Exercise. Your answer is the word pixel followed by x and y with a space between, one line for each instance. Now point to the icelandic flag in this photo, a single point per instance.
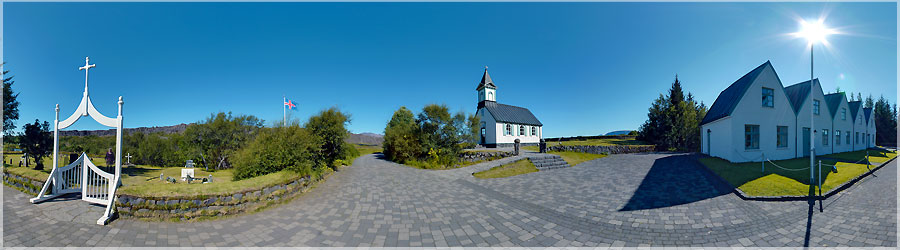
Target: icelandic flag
pixel 289 104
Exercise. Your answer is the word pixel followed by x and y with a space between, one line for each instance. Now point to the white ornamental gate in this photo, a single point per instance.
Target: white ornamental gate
pixel 82 176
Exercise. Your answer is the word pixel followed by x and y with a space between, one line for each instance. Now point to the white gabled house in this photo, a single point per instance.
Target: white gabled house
pixel 859 125
pixel 751 117
pixel 502 124
pixel 841 122
pixel 756 118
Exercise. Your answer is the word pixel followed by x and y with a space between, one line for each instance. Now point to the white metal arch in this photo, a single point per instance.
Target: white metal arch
pixel 95 185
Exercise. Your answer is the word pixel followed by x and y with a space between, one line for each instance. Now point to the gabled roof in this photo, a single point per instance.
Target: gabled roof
pixel 854 108
pixel 511 114
pixel 867 112
pixel 797 93
pixel 730 97
pixel 834 102
pixel 486 81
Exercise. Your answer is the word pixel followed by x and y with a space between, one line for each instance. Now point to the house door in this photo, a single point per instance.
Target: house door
pixel 708 145
pixel 805 142
pixel 482 135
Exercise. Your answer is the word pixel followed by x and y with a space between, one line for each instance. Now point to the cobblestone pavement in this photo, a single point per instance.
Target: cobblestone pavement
pixel 621 200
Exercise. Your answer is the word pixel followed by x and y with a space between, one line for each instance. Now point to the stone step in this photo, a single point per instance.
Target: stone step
pixel 547 162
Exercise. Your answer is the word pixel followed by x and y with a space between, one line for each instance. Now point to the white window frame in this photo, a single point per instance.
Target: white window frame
pixel 533 131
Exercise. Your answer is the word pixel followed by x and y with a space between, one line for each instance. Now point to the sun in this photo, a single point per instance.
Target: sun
pixel 814 31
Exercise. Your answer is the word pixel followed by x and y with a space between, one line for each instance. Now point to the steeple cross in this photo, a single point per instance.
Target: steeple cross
pixel 86 67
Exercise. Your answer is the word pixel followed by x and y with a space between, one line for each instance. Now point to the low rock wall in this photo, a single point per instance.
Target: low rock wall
pixel 483 156
pixel 187 208
pixel 617 149
pixel 24 184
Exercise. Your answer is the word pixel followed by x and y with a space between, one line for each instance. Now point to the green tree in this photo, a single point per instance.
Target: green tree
pixel 219 136
pixel 885 123
pixel 870 102
pixel 276 149
pixel 673 121
pixel 439 134
pixel 401 142
pixel 10 104
pixel 37 142
pixel 473 126
pixel 330 127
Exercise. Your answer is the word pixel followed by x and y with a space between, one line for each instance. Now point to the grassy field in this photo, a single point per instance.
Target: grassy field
pixel 775 181
pixel 591 142
pixel 875 155
pixel 575 158
pixel 145 182
pixel 523 166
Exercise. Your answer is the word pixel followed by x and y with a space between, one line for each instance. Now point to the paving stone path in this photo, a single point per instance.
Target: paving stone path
pixel 620 200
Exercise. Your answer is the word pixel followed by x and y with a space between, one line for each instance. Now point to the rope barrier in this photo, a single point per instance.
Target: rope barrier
pixel 787 169
pixel 745 158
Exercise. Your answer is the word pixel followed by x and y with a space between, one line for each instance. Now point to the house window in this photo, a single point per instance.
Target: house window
pixel 837 137
pixel 533 131
pixel 751 136
pixel 521 130
pixel 782 136
pixel 768 97
pixel 816 107
pixel 825 137
pixel 843 114
pixel 848 137
pixel 508 130
pixel 856 138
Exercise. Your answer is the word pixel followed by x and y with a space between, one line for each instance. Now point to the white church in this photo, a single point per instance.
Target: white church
pixel 502 124
pixel 756 118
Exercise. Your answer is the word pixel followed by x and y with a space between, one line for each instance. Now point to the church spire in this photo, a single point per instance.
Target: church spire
pixel 486 81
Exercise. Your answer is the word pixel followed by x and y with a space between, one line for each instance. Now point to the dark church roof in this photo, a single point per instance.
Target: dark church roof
pixel 854 108
pixel 511 114
pixel 486 81
pixel 729 98
pixel 834 102
pixel 797 93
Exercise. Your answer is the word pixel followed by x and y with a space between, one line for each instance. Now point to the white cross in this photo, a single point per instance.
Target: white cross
pixel 128 159
pixel 86 67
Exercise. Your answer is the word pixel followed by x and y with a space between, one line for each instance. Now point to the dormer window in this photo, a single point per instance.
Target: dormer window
pixel 768 97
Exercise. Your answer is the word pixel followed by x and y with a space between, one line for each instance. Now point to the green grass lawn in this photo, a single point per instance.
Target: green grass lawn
pixel 575 158
pixel 145 182
pixel 750 178
pixel 142 180
pixel 875 155
pixel 523 166
pixel 591 142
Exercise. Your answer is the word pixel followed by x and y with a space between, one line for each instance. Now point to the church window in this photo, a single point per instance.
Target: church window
pixel 521 130
pixel 533 131
pixel 508 130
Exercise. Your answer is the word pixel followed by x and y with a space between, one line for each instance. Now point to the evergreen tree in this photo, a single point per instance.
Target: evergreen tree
pixel 673 121
pixel 869 102
pixel 10 104
pixel 885 123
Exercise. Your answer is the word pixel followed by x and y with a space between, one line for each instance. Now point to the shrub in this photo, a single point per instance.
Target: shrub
pixel 433 139
pixel 219 136
pixel 329 127
pixel 401 143
pixel 276 149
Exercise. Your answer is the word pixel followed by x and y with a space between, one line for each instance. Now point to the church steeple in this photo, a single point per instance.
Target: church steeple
pixel 487 91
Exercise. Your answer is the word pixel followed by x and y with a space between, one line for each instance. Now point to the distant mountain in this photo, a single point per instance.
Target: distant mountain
pixel 619 132
pixel 112 132
pixel 366 138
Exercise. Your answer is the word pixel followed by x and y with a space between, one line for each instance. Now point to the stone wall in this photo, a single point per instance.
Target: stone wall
pixel 616 149
pixel 474 156
pixel 24 184
pixel 188 208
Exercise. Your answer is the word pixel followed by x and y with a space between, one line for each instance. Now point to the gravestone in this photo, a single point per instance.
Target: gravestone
pixel 517 146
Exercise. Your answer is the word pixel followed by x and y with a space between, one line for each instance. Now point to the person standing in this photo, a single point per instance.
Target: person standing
pixel 110 158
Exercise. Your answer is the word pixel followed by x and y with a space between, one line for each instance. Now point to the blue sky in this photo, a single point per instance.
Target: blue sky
pixel 581 68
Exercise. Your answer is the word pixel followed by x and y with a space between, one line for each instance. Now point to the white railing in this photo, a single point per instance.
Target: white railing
pixel 97 185
pixel 68 178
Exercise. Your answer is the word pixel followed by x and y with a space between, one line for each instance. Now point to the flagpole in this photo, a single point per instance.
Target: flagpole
pixel 283 110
